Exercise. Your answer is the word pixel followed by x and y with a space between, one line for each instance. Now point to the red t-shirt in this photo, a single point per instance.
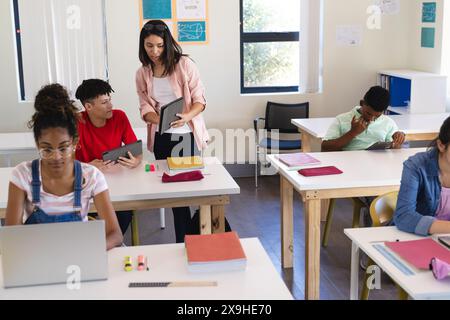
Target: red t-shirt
pixel 94 141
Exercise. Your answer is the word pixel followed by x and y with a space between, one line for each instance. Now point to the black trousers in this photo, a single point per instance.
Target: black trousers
pixel 177 145
pixel 180 145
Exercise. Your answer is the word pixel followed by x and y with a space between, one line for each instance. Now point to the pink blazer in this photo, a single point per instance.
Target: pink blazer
pixel 185 82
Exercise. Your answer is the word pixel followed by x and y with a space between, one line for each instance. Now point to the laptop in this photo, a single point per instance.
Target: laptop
pixel 43 254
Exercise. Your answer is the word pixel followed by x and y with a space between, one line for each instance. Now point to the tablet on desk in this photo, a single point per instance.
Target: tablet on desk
pixel 381 145
pixel 168 114
pixel 114 155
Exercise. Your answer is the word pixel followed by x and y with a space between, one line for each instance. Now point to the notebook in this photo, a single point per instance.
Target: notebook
pixel 320 171
pixel 216 252
pixel 185 163
pixel 419 252
pixel 297 160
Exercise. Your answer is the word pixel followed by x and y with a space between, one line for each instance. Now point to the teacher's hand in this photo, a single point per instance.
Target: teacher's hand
pixel 184 118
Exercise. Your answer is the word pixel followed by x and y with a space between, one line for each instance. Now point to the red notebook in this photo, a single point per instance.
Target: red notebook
pixel 420 252
pixel 215 252
pixel 320 171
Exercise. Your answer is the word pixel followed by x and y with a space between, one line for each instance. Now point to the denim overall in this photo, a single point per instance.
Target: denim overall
pixel 39 215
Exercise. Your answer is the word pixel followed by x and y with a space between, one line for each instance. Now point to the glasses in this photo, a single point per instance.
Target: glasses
pixel 159 27
pixel 47 153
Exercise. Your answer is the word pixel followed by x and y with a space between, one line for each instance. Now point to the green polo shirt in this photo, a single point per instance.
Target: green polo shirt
pixel 381 129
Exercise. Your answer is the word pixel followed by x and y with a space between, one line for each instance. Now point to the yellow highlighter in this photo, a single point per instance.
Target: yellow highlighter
pixel 128 266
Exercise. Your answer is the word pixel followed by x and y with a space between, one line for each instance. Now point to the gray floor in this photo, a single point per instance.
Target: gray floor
pixel 255 213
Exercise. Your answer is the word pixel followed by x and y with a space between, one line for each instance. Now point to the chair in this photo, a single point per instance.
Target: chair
pixel 278 120
pixel 357 206
pixel 382 210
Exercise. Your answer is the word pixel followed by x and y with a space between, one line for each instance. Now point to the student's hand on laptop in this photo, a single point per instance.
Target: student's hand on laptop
pixel 101 165
pixel 131 162
pixel 398 139
pixel 358 125
pixel 184 118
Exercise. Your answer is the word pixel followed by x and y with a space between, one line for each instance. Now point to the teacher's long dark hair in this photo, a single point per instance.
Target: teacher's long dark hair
pixel 172 50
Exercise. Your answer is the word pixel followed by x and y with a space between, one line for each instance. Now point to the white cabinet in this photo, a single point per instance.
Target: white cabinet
pixel 418 92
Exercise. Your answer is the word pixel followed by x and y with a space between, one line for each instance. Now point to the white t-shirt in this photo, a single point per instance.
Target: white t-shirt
pixel 163 94
pixel 93 183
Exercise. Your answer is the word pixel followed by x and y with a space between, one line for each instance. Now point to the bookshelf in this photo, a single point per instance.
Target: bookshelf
pixel 414 91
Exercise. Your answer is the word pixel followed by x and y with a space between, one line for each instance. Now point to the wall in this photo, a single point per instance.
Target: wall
pixel 425 59
pixel 347 71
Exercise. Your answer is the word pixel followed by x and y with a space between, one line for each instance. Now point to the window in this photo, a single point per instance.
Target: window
pixel 445 55
pixel 60 41
pixel 270 45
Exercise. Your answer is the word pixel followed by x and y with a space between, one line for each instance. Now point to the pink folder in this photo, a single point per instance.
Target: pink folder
pixel 419 252
pixel 321 171
pixel 297 159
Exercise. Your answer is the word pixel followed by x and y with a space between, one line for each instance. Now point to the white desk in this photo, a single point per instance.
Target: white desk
pixel 420 285
pixel 135 189
pixel 23 142
pixel 415 126
pixel 360 178
pixel 260 281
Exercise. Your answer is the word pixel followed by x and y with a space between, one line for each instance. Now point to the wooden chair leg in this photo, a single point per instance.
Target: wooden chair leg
pixel 402 294
pixel 134 229
pixel 326 230
pixel 365 290
pixel 357 206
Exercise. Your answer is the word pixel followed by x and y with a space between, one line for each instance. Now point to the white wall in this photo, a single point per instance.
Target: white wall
pixel 347 71
pixel 425 59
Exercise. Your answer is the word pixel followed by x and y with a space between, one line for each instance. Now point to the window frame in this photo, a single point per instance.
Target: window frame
pixel 17 30
pixel 263 37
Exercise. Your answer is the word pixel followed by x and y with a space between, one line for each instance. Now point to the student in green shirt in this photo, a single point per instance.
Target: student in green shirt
pixel 364 125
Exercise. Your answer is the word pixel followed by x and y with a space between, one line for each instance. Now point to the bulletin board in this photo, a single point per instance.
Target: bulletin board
pixel 187 19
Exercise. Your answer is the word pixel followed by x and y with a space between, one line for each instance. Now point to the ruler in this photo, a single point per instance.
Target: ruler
pixel 393 259
pixel 172 284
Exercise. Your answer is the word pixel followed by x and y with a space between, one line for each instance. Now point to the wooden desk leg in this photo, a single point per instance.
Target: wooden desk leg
pixel 287 222
pixel 205 219
pixel 312 249
pixel 354 274
pixel 218 218
pixel 306 141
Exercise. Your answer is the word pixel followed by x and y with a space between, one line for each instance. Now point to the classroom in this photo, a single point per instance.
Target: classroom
pixel 297 143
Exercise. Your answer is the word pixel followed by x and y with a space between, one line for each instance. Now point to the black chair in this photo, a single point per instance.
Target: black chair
pixel 278 121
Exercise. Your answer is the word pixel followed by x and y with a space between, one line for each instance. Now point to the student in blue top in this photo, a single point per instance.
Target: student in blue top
pixel 364 125
pixel 56 187
pixel 423 205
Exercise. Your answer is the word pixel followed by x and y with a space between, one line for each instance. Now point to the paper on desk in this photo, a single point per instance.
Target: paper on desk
pixel 420 252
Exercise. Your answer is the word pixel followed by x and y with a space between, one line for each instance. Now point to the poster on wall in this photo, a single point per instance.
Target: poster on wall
pixel 388 7
pixel 428 35
pixel 349 36
pixel 429 12
pixel 187 19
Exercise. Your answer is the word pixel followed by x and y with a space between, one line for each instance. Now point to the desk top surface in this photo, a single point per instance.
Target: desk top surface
pixel 360 169
pixel 421 284
pixel 137 184
pixel 167 262
pixel 408 123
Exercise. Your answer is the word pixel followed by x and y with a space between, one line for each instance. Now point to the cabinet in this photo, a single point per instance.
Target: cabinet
pixel 414 91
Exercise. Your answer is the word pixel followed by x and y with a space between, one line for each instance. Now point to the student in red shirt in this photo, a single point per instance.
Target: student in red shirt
pixel 102 129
